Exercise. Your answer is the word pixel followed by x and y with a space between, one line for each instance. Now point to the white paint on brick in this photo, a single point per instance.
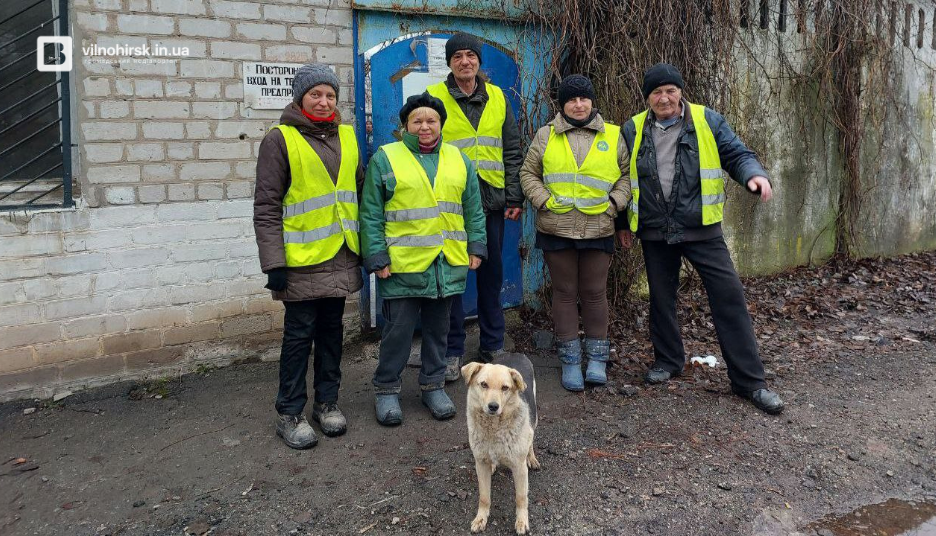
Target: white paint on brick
pixel 138 258
pixel 160 109
pixel 234 91
pixel 176 212
pixel 236 209
pixel 145 152
pixel 114 109
pixel 97 87
pixel 21 314
pixel 198 252
pixel 235 10
pixel 180 7
pixel 206 69
pixel 113 174
pixel 198 130
pixel 210 191
pixel 181 192
pixel 333 17
pixel 208 90
pixel 90 109
pixel 100 131
pixel 224 150
pixel 95 22
pixel 292 14
pixel 131 67
pixel 124 87
pixel 113 5
pixel 314 34
pixel 151 194
pixel 188 48
pixel 214 110
pixel 261 32
pixel 245 170
pixel 333 55
pixel 121 217
pixel 181 151
pixel 177 88
pixel 159 172
pixel 96 240
pixel 75 307
pixel 145 24
pixel 235 129
pixel 120 195
pixel 162 130
pixel 234 50
pixel 136 299
pixel 289 53
pixel 204 28
pixel 102 153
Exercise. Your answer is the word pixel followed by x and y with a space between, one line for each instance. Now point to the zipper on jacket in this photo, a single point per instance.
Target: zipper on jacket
pixel 438 262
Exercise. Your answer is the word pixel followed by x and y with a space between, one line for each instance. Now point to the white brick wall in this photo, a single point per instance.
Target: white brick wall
pixel 152 107
pixel 158 266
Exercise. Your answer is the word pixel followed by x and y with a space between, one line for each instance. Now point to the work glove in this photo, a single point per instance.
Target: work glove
pixel 276 279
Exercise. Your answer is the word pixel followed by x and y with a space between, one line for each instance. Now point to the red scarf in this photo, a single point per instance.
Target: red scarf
pixel 311 117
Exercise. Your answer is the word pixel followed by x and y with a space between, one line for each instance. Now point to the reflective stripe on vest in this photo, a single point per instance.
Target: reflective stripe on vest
pixel 483 146
pixel 711 175
pixel 319 216
pixel 584 187
pixel 422 219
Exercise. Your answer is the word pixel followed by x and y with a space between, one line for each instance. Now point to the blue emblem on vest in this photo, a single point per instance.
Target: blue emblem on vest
pixel 602 146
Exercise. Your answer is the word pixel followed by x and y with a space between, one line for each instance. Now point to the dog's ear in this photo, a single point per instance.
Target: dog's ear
pixel 468 371
pixel 518 381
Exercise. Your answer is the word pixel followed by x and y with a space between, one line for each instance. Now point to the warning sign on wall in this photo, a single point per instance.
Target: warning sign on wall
pixel 268 86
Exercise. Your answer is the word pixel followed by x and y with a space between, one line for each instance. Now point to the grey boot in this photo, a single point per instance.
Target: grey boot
pixel 330 418
pixel 296 431
pixel 440 405
pixel 452 368
pixel 598 351
pixel 570 355
pixel 388 410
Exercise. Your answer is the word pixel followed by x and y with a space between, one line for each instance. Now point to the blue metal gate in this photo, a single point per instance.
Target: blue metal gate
pixel 391 71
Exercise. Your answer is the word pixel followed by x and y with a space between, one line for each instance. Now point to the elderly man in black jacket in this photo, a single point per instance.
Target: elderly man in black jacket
pixel 481 123
pixel 679 151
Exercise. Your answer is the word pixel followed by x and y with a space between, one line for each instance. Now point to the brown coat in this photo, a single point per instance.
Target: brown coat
pixel 573 224
pixel 337 277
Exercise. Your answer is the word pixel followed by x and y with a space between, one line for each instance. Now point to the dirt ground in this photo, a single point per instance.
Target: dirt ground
pixel 852 351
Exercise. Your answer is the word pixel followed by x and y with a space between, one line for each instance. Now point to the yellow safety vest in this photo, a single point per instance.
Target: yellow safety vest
pixel 424 219
pixel 319 215
pixel 484 146
pixel 584 187
pixel 711 175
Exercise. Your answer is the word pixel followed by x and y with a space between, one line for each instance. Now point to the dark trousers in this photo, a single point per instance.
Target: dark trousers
pixel 490 278
pixel 400 318
pixel 733 325
pixel 309 321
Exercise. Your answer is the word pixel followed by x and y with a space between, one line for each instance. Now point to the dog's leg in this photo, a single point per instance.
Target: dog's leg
pixel 484 470
pixel 531 460
pixel 521 487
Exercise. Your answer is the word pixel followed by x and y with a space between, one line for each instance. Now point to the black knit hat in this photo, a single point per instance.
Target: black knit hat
pixel 462 41
pixel 660 75
pixel 419 101
pixel 575 85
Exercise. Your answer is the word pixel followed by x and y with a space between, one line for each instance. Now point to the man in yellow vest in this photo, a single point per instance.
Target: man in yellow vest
pixel 679 153
pixel 309 174
pixel 481 123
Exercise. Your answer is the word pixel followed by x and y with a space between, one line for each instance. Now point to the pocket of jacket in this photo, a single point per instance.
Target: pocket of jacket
pixel 459 275
pixel 418 281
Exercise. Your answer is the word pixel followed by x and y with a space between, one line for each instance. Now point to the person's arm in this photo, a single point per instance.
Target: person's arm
pixel 531 174
pixel 474 213
pixel 273 178
pixel 513 159
pixel 371 214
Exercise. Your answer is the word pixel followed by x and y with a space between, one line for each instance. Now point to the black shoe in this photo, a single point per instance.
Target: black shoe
pixel 763 399
pixel 486 356
pixel 657 375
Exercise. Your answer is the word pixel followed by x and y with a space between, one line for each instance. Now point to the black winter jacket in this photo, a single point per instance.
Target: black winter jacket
pixel 679 218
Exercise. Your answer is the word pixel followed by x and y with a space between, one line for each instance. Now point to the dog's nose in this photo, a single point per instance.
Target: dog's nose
pixel 493 406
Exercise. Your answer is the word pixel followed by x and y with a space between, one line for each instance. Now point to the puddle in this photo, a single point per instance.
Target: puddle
pixel 891 518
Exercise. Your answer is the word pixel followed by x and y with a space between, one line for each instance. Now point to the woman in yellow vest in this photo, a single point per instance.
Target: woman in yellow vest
pixel 422 229
pixel 306 222
pixel 575 175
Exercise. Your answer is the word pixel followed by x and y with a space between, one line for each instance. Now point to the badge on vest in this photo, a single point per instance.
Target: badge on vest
pixel 602 146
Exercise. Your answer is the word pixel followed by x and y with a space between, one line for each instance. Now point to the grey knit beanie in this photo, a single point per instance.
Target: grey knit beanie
pixel 310 75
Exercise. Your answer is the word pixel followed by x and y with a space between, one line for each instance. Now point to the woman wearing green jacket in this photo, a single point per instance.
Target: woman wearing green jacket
pixel 422 229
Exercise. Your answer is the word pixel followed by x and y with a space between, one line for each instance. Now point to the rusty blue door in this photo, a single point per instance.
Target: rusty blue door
pixel 393 70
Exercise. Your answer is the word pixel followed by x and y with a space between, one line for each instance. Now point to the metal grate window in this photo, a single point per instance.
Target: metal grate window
pixel 35 119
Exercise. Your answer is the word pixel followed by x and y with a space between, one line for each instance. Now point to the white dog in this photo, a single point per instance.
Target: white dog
pixel 501 421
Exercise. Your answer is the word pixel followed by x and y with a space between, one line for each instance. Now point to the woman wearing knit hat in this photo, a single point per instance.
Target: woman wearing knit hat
pixel 422 229
pixel 575 175
pixel 309 174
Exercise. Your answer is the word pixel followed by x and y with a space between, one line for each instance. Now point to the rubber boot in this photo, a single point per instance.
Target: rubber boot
pixel 570 355
pixel 598 351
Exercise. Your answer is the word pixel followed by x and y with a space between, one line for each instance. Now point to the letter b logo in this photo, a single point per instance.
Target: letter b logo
pixel 55 58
